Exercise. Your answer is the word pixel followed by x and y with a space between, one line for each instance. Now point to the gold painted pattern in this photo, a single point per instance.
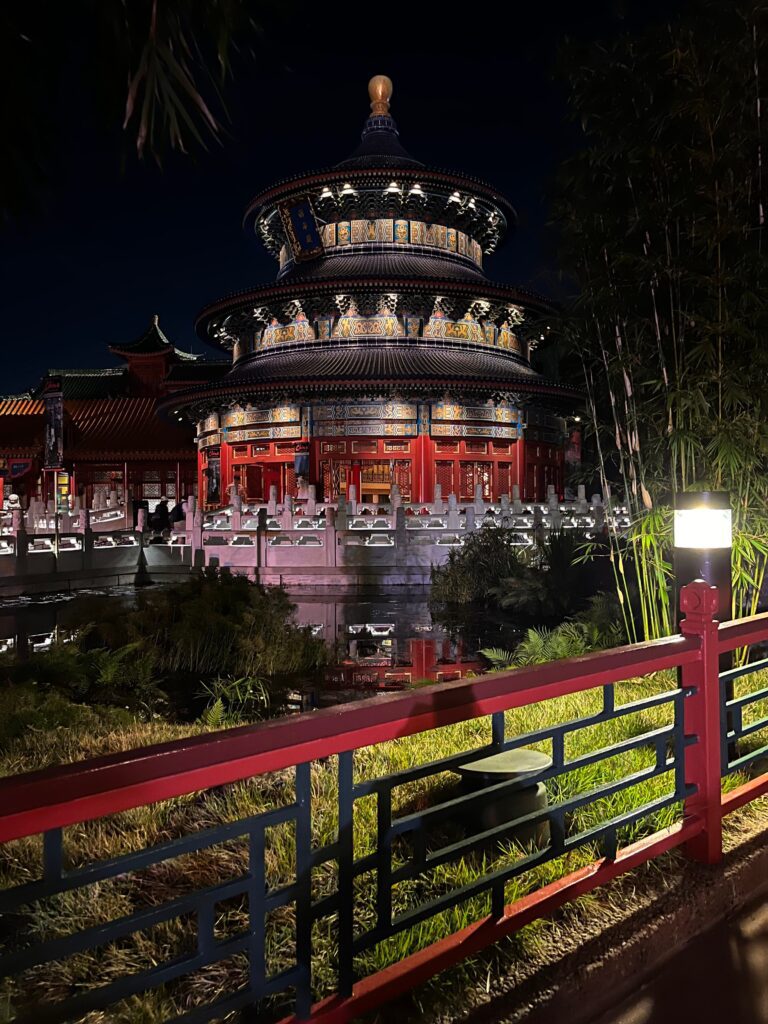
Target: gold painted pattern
pixel 495 414
pixel 401 233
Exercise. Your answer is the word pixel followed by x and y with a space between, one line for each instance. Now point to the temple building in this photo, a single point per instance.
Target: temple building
pixel 382 353
pixel 98 429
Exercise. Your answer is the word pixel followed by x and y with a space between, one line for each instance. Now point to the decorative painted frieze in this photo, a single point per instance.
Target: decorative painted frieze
pixel 365 428
pixel 263 433
pixel 239 417
pixel 366 410
pixel 489 413
pixel 441 329
pixel 398 232
pixel 508 433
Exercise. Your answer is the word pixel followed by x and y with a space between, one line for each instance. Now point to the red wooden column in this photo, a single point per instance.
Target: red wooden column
pixel 356 479
pixel 225 471
pixel 423 657
pixel 702 711
pixel 423 470
pixel 520 465
pixel 201 489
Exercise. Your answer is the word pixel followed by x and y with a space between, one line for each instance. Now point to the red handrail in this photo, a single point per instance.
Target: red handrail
pixel 69 794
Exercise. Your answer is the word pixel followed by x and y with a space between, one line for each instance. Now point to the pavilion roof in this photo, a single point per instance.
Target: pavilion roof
pixel 124 428
pixel 152 342
pixel 398 264
pixel 370 368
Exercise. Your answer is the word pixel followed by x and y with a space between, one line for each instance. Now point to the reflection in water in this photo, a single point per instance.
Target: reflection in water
pixel 383 643
pixel 393 641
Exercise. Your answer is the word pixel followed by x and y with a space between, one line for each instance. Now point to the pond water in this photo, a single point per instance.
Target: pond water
pixel 381 643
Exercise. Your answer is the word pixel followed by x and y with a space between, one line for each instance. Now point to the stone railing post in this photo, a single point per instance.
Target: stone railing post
pixel 506 518
pixel 21 539
pixel 539 531
pixel 517 505
pixel 469 519
pixel 237 512
pixel 311 505
pixel 330 538
pixel 261 539
pixel 286 516
pixel 189 520
pixel 401 533
pixel 454 520
pixel 198 551
pixel 272 502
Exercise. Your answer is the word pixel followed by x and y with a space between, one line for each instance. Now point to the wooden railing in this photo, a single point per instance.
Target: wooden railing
pixel 323 767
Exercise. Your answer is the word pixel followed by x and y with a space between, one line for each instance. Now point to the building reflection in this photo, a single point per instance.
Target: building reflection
pixel 384 644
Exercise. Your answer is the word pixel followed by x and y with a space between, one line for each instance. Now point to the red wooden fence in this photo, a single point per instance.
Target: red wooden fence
pixel 66 795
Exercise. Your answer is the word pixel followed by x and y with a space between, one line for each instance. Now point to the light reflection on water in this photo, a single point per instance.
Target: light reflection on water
pixel 381 643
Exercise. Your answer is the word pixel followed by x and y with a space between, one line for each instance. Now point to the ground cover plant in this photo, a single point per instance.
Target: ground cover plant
pixel 146 826
pixel 216 644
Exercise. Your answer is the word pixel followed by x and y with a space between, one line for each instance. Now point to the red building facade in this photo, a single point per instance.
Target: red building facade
pixel 382 353
pixel 112 439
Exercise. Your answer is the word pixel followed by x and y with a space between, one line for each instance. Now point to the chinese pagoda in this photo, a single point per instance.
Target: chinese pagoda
pixel 382 354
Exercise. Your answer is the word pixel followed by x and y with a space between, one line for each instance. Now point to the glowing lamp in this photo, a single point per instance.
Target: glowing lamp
pixel 702 542
pixel 702 520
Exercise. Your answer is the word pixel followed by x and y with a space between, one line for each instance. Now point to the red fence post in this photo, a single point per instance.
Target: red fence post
pixel 698 602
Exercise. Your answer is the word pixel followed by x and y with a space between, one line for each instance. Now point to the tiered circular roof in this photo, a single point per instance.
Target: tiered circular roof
pixel 429 229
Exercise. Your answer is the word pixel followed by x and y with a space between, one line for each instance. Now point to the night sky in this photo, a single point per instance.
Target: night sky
pixel 113 241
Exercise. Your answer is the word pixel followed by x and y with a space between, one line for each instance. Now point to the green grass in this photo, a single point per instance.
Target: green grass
pixel 145 826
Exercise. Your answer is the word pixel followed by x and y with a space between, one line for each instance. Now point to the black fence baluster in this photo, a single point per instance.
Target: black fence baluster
pixel 384 863
pixel 304 890
pixel 52 856
pixel 346 875
pixel 257 912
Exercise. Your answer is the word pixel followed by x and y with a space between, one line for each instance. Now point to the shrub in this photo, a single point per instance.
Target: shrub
pixel 544 582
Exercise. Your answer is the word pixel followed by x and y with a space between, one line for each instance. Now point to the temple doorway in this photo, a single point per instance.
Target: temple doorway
pixel 376 477
pixel 473 473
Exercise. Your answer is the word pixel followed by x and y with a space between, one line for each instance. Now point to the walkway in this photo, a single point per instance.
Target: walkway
pixel 720 977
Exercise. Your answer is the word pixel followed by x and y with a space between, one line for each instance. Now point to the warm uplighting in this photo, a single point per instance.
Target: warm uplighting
pixel 702 520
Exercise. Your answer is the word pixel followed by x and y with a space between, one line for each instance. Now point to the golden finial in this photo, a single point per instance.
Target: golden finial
pixel 380 91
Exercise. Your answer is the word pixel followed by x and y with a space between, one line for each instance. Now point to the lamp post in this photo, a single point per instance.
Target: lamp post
pixel 702 542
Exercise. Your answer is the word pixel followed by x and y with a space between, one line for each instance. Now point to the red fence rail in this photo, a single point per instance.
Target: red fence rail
pixel 50 800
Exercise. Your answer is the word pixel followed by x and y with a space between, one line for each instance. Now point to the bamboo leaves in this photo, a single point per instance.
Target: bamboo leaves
pixel 661 214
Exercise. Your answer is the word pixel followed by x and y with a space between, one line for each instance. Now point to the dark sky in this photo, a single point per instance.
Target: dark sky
pixel 109 245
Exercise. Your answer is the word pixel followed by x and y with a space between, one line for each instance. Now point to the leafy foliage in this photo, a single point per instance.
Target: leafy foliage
pixel 175 57
pixel 235 639
pixel 232 701
pixel 544 582
pixel 662 217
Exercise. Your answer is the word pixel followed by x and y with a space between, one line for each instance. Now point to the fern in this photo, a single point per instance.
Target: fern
pixel 214 715
pixel 540 645
pixel 498 657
